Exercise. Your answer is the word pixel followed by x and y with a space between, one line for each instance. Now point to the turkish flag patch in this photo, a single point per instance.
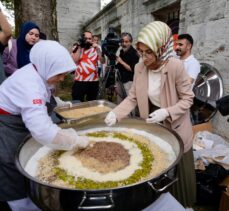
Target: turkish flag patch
pixel 37 101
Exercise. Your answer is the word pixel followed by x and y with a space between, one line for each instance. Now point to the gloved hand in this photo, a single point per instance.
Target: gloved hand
pixel 158 116
pixel 110 119
pixel 60 102
pixel 68 139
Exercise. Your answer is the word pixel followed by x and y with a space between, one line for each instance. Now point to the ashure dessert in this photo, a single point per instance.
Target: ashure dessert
pixel 77 113
pixel 115 157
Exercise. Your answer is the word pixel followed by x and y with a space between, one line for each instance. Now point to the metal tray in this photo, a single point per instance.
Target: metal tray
pixel 88 104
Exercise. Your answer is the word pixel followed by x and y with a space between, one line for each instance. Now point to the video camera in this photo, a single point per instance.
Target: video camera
pixel 110 45
pixel 82 42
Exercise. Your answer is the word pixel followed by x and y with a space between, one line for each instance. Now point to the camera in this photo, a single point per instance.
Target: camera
pixel 110 45
pixel 82 42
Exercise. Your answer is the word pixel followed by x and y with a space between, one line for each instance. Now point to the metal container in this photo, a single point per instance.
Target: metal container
pixel 87 104
pixel 208 88
pixel 132 197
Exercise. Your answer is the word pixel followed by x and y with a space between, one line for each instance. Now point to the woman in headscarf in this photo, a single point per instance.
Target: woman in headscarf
pixel 17 55
pixel 163 93
pixel 23 98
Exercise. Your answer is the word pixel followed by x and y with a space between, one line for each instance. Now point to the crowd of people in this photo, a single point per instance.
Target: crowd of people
pixel 151 78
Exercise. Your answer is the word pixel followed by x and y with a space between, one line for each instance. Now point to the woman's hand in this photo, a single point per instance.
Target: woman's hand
pixel 110 119
pixel 61 103
pixel 158 116
pixel 68 139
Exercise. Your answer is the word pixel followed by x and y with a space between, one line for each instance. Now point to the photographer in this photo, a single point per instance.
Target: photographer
pixel 126 61
pixel 86 56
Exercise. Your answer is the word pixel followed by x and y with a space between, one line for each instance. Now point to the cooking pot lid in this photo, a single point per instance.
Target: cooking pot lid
pixel 208 89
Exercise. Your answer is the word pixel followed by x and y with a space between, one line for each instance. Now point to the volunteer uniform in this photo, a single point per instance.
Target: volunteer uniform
pixel 192 66
pixel 23 110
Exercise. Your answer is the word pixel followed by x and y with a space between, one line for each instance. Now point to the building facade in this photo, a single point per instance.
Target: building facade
pixel 205 20
pixel 72 16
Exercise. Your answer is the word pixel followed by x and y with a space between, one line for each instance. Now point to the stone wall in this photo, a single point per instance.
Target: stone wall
pixel 207 21
pixel 72 16
pixel 130 15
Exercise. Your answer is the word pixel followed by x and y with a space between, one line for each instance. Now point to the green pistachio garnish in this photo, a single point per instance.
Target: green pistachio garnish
pixel 141 173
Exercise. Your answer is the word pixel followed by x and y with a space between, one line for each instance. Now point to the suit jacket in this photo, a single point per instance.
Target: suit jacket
pixel 176 96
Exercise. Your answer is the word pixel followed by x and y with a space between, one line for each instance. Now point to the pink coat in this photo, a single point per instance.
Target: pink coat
pixel 176 96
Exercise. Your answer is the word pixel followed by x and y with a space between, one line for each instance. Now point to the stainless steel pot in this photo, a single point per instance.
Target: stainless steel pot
pixel 132 197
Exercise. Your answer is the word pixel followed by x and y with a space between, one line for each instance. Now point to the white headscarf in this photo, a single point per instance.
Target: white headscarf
pixel 50 59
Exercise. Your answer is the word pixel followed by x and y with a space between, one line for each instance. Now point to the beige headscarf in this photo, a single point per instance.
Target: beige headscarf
pixel 158 37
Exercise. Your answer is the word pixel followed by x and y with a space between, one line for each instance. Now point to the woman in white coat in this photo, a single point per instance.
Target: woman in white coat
pixel 23 110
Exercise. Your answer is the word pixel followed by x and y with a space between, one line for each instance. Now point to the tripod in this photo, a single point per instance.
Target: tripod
pixel 108 83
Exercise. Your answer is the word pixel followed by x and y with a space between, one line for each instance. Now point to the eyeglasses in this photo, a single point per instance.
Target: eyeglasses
pixel 148 53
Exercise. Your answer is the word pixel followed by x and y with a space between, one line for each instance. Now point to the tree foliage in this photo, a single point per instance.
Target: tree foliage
pixel 9 4
pixel 42 12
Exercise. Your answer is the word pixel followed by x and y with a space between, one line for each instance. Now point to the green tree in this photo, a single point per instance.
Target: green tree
pixel 42 12
pixel 8 3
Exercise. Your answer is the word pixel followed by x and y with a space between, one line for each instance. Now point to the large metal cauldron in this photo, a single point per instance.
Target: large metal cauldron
pixel 126 198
